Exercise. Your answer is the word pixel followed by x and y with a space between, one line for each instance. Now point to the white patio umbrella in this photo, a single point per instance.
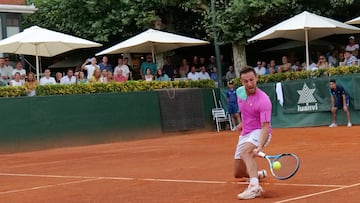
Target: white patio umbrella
pixel 152 41
pixel 354 21
pixel 38 41
pixel 306 27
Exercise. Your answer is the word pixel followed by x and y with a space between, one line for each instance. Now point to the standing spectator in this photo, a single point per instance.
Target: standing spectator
pixel 169 68
pixel 233 108
pixel 19 69
pixel 130 68
pixel 5 71
pixel 184 68
pixel 69 78
pixel 90 68
pixel 119 77
pixel 203 74
pixel 230 74
pixel 31 84
pixel 17 81
pixel 193 75
pixel 47 80
pixel 202 63
pixel 196 62
pixel 123 67
pixel 212 63
pixel 96 77
pixel 352 44
pixel 259 69
pixel 105 64
pixel 147 64
pixel 286 66
pixel 350 60
pixel 339 100
pixel 161 76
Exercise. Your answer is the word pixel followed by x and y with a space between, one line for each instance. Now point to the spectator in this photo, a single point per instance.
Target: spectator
pixel 212 63
pixel 148 64
pixel 272 68
pixel 341 59
pixel 130 68
pixel 96 77
pixel 339 100
pixel 352 44
pixel 58 77
pixel 161 76
pixel 201 63
pixel 259 69
pixel 350 60
pixel 230 74
pixel 104 75
pixel 355 53
pixel 109 77
pixel 90 68
pixel 195 62
pixel 203 75
pixel 169 68
pixel 286 66
pixel 296 67
pixel 5 71
pixel 148 76
pixel 119 77
pixel 233 108
pixel 19 69
pixel 105 64
pixel 332 60
pixel 17 81
pixel 184 68
pixel 47 80
pixel 322 63
pixel 69 78
pixel 81 79
pixel 123 67
pixel 31 84
pixel 193 75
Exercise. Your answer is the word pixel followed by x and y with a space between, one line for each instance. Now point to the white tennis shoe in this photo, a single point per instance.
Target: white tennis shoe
pixel 262 174
pixel 349 125
pixel 333 125
pixel 251 192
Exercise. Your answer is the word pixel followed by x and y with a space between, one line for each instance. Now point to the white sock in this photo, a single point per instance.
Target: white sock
pixel 254 181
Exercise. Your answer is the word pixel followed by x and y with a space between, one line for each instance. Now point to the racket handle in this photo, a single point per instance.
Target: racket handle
pixel 261 154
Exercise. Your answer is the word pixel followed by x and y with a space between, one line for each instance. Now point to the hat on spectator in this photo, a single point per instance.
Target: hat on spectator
pixel 231 82
pixel 351 37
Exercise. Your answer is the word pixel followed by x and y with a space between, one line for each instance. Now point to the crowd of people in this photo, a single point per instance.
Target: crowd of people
pixel 343 56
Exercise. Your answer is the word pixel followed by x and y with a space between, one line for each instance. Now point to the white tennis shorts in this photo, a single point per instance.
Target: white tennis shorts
pixel 252 137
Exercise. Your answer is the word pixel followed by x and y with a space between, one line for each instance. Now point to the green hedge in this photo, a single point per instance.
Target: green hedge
pixel 12 91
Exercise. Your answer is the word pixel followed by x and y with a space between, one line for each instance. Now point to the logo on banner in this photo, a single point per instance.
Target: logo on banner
pixel 307 101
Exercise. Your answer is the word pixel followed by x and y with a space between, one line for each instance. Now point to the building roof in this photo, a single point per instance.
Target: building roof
pixel 7 8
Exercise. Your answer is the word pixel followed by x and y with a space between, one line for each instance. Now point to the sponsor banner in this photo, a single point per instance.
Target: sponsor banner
pixel 306 96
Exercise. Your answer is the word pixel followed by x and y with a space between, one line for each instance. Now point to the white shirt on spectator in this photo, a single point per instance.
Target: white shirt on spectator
pixel 90 70
pixel 125 70
pixel 193 76
pixel 204 76
pixel 351 48
pixel 22 71
pixel 47 81
pixel 260 71
pixel 14 83
pixel 67 80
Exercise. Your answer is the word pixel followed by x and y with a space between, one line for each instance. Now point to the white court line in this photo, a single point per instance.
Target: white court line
pixel 163 180
pixel 318 193
pixel 48 186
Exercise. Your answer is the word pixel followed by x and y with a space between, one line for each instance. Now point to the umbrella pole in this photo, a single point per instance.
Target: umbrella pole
pixel 153 52
pixel 307 48
pixel 37 68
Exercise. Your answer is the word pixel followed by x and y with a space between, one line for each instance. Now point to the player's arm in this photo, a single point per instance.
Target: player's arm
pixel 264 134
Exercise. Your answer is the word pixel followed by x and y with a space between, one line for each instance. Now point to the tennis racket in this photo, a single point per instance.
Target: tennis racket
pixel 289 164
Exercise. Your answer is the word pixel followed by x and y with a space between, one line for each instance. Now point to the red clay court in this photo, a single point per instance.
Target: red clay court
pixel 188 167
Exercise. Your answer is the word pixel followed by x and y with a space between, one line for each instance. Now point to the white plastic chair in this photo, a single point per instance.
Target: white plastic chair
pixel 220 116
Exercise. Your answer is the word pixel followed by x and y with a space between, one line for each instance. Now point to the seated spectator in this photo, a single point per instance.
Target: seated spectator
pixel 31 84
pixel 350 60
pixel 104 75
pixel 286 66
pixel 214 74
pixel 19 69
pixel 203 74
pixel 81 79
pixel 184 68
pixel 193 75
pixel 130 68
pixel 125 69
pixel 230 74
pixel 332 60
pixel 272 68
pixel 148 76
pixel 355 53
pixel 169 68
pixel 109 77
pixel 17 81
pixel 145 65
pixel 322 63
pixel 352 44
pixel 47 80
pixel 297 66
pixel 105 64
pixel 90 67
pixel 161 76
pixel 341 59
pixel 96 77
pixel 69 78
pixel 259 69
pixel 58 77
pixel 119 77
pixel 311 66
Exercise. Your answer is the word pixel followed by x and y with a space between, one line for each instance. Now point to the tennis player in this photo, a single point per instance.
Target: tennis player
pixel 339 100
pixel 255 107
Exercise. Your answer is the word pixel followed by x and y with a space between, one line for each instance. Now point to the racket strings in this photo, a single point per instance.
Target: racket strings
pixel 289 166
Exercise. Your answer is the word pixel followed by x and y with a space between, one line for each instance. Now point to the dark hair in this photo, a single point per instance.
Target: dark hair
pixel 332 80
pixel 247 69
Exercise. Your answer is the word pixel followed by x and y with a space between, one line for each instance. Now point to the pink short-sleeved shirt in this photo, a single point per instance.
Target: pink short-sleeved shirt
pixel 255 110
